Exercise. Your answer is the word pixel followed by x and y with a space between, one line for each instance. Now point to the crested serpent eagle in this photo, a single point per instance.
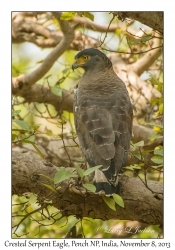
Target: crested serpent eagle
pixel 103 118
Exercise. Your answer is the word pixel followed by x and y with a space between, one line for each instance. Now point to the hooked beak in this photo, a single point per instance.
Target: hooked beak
pixel 74 65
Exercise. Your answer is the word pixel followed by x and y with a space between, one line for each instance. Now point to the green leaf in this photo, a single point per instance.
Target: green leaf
pixel 90 187
pixel 47 177
pixel 89 15
pixel 133 42
pixel 90 170
pixel 110 202
pixel 81 159
pixel 48 201
pixel 29 195
pixel 157 100
pixel 62 175
pixel 137 155
pixel 155 125
pixel 19 130
pixel 160 87
pixel 158 166
pixel 129 168
pixel 138 144
pixel 158 152
pixel 35 126
pixel 158 129
pixel 145 38
pixel 32 199
pixel 118 199
pixel 38 151
pixel 49 187
pixel 67 15
pixel 28 141
pixel 14 136
pixel 79 170
pixel 56 90
pixel 154 136
pixel 145 152
pixel 48 132
pixel 36 148
pixel 157 159
pixel 161 108
pixel 153 80
pixel 15 112
pixel 136 166
pixel 22 124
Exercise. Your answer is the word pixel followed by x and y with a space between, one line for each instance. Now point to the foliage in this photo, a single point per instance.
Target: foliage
pixel 70 15
pixel 25 135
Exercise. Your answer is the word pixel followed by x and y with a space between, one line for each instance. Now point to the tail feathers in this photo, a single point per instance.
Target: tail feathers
pixel 103 184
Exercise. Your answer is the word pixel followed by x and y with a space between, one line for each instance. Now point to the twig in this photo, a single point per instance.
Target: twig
pixel 94 26
pixel 62 138
pixel 27 215
pixel 51 116
pixel 106 34
pixel 147 185
pixel 24 138
pixel 147 35
pixel 160 37
pixel 133 53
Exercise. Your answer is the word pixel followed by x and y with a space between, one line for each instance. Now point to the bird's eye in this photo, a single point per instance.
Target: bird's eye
pixel 85 58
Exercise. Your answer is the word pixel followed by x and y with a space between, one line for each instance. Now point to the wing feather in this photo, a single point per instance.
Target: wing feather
pixel 103 128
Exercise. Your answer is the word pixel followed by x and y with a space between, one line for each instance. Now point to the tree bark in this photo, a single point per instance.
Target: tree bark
pixel 140 203
pixel 153 19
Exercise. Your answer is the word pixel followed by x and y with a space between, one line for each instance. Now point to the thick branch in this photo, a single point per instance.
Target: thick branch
pixel 45 38
pixel 86 23
pixel 148 59
pixel 152 19
pixel 140 91
pixel 25 81
pixel 140 203
pixel 43 94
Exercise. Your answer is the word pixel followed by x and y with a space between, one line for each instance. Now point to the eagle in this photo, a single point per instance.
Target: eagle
pixel 103 116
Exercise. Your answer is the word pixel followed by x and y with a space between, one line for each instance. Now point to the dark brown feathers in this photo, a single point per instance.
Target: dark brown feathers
pixel 103 119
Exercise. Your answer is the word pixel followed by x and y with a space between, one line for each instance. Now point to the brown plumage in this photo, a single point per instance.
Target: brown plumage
pixel 103 118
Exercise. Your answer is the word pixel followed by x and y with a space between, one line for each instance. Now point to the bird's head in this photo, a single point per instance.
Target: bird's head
pixel 90 59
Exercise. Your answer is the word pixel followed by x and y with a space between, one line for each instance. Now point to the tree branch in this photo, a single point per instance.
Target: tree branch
pixel 140 203
pixel 43 94
pixel 149 18
pixel 25 81
pixel 140 91
pixel 36 33
pixel 86 23
pixel 148 59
